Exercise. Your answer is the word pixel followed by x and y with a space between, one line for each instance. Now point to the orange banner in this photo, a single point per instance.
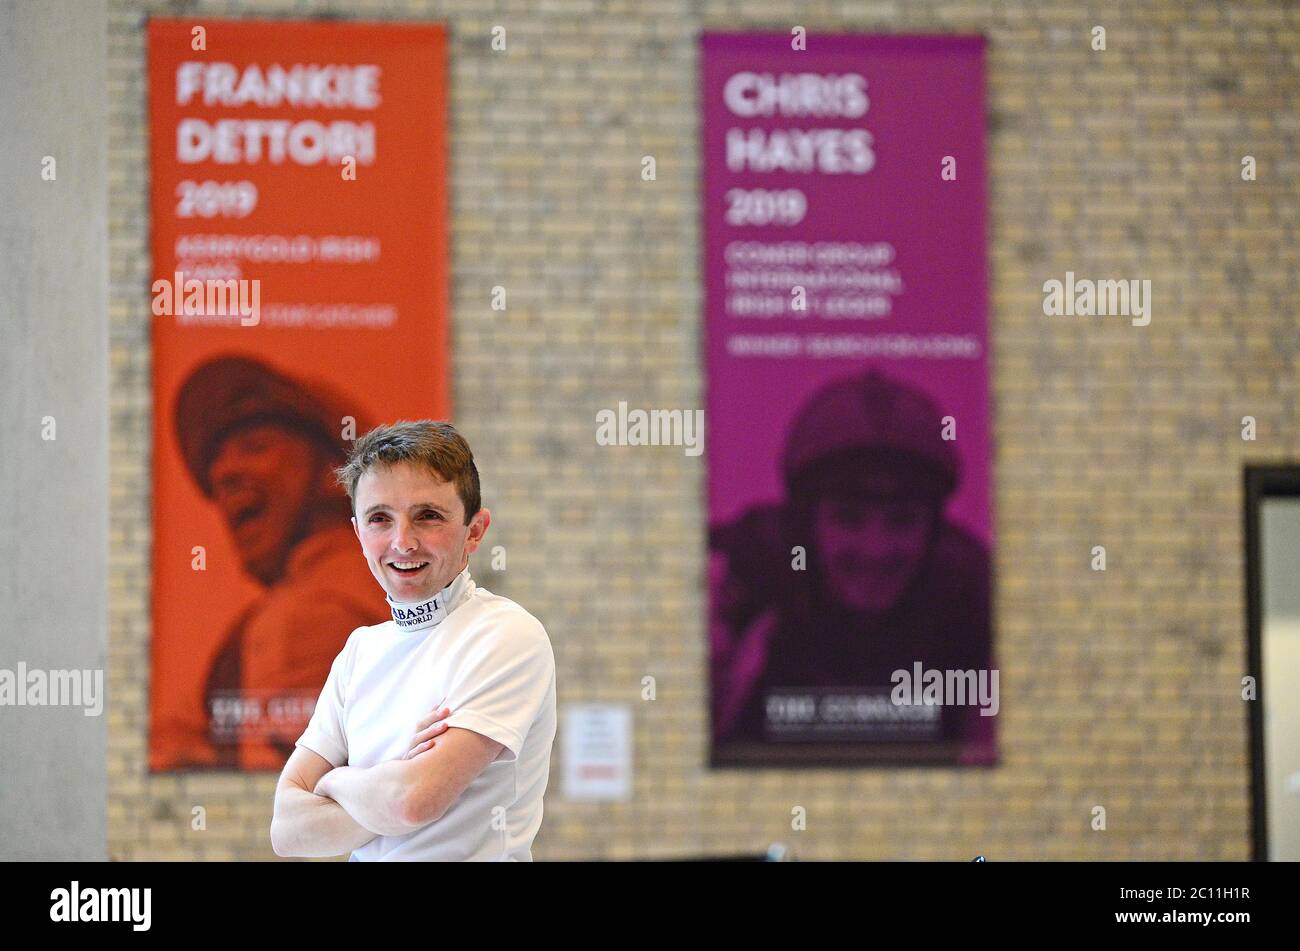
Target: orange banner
pixel 299 296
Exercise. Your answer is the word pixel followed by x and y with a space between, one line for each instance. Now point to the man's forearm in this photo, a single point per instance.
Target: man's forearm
pixel 374 796
pixel 308 825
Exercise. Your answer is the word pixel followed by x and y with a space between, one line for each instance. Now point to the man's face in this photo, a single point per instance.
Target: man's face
pixel 411 525
pixel 870 550
pixel 263 478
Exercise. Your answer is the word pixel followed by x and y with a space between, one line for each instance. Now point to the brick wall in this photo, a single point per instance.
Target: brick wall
pixel 1120 689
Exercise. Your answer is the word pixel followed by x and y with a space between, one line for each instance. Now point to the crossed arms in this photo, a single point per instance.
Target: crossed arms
pixel 325 810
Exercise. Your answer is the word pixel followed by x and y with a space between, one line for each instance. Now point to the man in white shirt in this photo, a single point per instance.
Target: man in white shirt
pixel 382 770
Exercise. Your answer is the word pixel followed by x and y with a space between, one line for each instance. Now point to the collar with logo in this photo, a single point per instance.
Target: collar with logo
pixel 421 615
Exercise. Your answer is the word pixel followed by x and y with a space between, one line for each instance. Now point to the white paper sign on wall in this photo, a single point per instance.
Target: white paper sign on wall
pixel 596 747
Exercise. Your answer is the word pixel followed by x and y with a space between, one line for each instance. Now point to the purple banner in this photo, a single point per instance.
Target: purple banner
pixel 848 397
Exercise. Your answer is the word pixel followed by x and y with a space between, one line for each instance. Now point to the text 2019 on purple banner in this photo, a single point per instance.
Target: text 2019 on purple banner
pixel 850 511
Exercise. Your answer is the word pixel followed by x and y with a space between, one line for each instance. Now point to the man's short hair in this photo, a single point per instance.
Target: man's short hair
pixel 435 445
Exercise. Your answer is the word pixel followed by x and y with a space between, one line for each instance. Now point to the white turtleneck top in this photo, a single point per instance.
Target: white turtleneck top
pixel 491 662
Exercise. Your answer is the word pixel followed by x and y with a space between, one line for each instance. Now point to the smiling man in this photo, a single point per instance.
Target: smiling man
pixel 890 579
pixel 381 770
pixel 263 446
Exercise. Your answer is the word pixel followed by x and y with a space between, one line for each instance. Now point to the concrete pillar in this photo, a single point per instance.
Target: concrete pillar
pixel 53 381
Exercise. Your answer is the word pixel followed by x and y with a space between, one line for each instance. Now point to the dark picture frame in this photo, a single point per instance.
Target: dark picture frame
pixel 1260 482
